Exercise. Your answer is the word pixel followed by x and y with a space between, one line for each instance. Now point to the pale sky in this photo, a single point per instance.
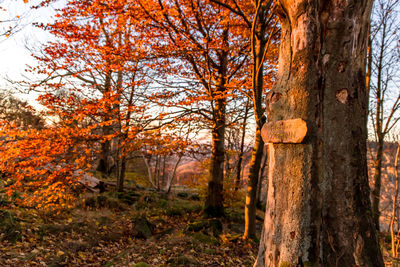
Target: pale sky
pixel 14 55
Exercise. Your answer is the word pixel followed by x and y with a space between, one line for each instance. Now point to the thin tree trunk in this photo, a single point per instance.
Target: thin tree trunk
pixel 258 48
pixel 376 192
pixel 121 175
pixel 369 65
pixel 149 171
pixel 318 206
pixel 261 178
pixel 394 204
pixel 251 194
pixel 241 152
pixel 171 181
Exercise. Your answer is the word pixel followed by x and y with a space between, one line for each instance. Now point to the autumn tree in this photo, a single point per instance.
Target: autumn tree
pixel 318 207
pixel 385 100
pixel 204 50
pixel 42 165
pixel 97 58
pixel 260 23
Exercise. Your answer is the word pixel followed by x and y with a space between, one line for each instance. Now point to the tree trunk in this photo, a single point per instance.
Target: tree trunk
pixel 379 95
pixel 214 202
pixel 258 49
pixel 251 194
pixel 318 207
pixel 394 205
pixel 241 152
pixel 105 166
pixel 121 175
pixel 261 178
pixel 376 192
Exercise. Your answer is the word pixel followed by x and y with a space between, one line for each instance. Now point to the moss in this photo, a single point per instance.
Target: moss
pixel 174 211
pixel 137 179
pixel 182 261
pixel 197 226
pixel 128 197
pixel 210 251
pixel 162 203
pixel 205 239
pixel 143 227
pixel 183 207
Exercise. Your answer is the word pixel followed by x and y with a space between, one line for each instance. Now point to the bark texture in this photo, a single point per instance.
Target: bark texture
pixel 318 207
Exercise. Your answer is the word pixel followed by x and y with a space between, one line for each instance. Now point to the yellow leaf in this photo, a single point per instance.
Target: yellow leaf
pixel 60 253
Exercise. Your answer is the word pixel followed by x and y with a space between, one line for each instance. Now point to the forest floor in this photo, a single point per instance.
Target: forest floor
pixel 130 229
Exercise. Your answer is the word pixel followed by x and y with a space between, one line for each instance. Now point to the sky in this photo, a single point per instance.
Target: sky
pixel 14 53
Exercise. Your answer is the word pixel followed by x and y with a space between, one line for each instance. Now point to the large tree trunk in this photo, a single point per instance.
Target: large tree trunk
pixel 318 207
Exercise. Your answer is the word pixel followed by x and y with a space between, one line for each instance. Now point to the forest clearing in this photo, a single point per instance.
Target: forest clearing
pixel 129 229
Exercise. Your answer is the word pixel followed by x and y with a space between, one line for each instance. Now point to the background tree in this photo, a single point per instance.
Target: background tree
pixel 384 96
pixel 318 204
pixel 210 44
pixel 259 19
pixel 14 110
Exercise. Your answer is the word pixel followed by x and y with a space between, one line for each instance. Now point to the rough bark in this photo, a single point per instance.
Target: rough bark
pixel 318 207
